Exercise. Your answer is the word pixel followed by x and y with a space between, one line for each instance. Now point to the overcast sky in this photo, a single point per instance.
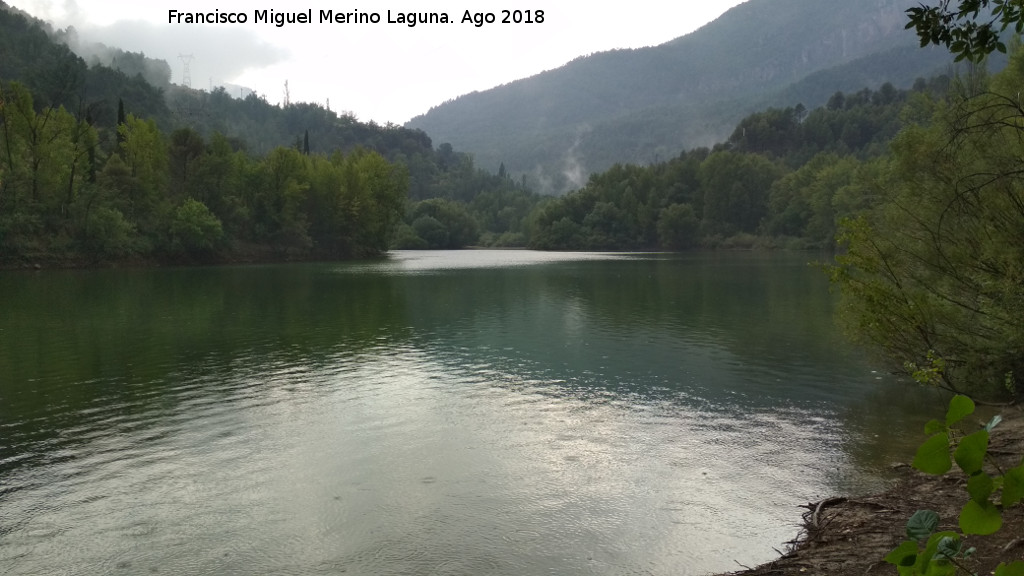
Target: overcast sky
pixel 382 72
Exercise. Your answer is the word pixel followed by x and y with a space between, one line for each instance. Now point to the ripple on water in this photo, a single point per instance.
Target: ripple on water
pixel 562 428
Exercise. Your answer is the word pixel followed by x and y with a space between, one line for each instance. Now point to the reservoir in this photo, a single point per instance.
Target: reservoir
pixel 472 412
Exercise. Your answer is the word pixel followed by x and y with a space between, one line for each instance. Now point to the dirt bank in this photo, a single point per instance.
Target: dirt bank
pixel 852 535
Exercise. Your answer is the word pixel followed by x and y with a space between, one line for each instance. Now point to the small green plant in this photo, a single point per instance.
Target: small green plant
pixel 943 552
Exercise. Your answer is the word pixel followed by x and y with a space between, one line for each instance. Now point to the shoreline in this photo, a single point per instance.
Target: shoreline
pixel 848 535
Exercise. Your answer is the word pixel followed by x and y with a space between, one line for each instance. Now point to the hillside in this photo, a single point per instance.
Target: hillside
pixel 644 104
pixel 98 164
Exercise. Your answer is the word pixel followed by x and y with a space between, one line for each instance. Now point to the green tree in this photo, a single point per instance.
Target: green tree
pixel 803 203
pixel 145 156
pixel 736 190
pixel 678 227
pixel 280 183
pixel 185 151
pixel 45 159
pixel 195 230
pixel 433 216
pixel 935 268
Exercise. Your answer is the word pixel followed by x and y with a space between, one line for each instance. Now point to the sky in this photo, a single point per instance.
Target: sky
pixel 381 72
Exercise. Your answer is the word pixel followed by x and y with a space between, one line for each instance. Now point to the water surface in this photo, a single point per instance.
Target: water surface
pixel 475 412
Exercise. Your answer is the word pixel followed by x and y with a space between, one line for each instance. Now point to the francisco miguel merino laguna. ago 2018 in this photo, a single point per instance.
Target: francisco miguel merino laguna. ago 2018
pixel 355 16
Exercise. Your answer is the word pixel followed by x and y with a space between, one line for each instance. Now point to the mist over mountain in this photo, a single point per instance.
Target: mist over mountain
pixel 642 105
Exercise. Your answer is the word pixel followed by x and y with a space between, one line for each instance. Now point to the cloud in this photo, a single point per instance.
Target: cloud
pixel 219 53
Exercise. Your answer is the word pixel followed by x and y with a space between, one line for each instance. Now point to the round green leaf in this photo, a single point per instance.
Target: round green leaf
pixel 1013 486
pixel 904 555
pixel 932 563
pixel 1011 569
pixel 970 454
pixel 950 547
pixel 934 427
pixel 959 407
pixel 976 518
pixel 933 456
pixel 922 524
pixel 980 487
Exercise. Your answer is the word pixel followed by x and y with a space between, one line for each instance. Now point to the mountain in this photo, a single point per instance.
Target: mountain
pixel 639 105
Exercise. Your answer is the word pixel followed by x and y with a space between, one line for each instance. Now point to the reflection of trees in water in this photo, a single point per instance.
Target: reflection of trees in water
pixel 886 426
pixel 755 332
pixel 85 345
pixel 745 331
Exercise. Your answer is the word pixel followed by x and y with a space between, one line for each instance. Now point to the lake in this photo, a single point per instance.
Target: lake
pixel 471 412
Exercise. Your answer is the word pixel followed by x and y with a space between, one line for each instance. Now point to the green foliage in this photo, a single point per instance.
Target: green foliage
pixel 159 197
pixel 980 518
pixel 108 235
pixel 960 407
pixel 406 238
pixel 970 452
pixel 1013 486
pixel 736 191
pixel 934 265
pixel 970 28
pixel 944 551
pixel 933 456
pixel 195 229
pixel 431 231
pixel 922 524
pixel 678 227
pixel 1011 569
pixel 442 224
pixel 784 173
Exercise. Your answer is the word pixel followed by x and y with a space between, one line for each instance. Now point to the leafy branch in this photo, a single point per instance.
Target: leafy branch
pixel 943 552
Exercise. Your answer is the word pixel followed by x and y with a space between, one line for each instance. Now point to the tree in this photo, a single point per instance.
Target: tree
pixel 195 229
pixel 444 224
pixel 145 155
pixel 678 227
pixel 185 150
pixel 736 190
pixel 933 274
pixel 969 28
pixel 120 121
pixel 45 159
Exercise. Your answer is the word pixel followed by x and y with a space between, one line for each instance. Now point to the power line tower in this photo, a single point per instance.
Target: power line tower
pixel 287 95
pixel 186 74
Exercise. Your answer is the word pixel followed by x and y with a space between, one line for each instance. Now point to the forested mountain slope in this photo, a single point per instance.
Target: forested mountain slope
pixel 646 104
pixel 99 165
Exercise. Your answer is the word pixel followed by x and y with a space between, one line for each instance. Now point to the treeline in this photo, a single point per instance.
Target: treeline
pixel 178 196
pixel 930 270
pixel 66 144
pixel 784 177
pixel 38 56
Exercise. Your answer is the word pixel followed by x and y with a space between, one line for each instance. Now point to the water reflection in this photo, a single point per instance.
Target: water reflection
pixel 504 412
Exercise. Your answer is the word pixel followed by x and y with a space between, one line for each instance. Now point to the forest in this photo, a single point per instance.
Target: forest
pixel 107 161
pixel 784 178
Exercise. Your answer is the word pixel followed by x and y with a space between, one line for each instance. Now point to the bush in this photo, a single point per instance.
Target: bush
pixel 108 234
pixel 194 229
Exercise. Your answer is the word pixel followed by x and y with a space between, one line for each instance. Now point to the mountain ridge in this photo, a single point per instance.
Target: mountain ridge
pixel 655 101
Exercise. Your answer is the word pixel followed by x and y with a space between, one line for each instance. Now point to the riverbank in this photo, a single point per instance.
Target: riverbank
pixel 852 535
